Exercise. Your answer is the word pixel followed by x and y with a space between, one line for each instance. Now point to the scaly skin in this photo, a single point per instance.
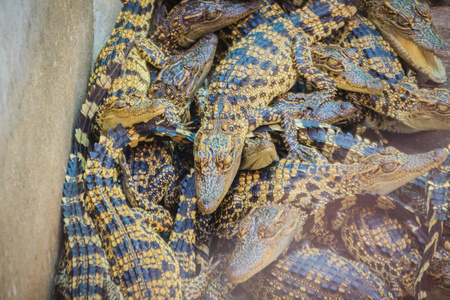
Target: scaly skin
pixel 392 242
pixel 408 27
pixel 177 30
pixel 132 22
pixel 141 262
pixel 308 273
pixel 404 108
pixel 377 57
pixel 264 234
pixel 382 243
pixel 148 173
pixel 173 87
pixel 182 28
pixel 310 186
pixel 88 277
pixel 429 197
pixel 259 151
pixel 255 70
pixel 341 64
pixel 439 278
pixel 267 12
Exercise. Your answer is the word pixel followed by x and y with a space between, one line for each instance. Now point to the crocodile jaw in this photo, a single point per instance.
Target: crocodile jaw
pixel 214 176
pixel 417 165
pixel 419 58
pixel 255 251
pixel 110 121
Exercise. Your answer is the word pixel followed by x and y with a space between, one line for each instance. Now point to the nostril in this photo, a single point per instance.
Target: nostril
pixel 206 201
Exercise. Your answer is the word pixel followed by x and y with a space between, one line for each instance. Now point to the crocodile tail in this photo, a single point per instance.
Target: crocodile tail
pixel 437 189
pixel 184 229
pixel 95 95
pixel 83 257
pixel 133 18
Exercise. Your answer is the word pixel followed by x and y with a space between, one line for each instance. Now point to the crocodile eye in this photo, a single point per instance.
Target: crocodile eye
pixel 389 167
pixel 212 15
pixel 268 230
pixel 154 89
pixel 245 226
pixel 332 62
pixel 442 108
pixel 201 159
pixel 120 104
pixel 402 21
pixel 223 160
pixel 423 10
pixel 314 55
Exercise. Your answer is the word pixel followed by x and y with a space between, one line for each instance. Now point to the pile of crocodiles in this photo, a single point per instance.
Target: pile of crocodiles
pixel 220 152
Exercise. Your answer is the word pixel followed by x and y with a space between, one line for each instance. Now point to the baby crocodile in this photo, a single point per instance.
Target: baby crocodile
pixel 408 27
pixel 261 66
pixel 163 47
pixel 311 186
pixel 141 262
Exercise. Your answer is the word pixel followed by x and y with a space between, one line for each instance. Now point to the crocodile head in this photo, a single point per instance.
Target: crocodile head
pixel 407 26
pixel 263 235
pixel 432 111
pixel 386 171
pixel 259 152
pixel 170 92
pixel 192 19
pixel 185 72
pixel 128 110
pixel 342 64
pixel 332 112
pixel 217 155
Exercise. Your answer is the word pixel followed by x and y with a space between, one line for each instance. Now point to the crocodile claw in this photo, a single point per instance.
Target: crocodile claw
pixel 307 154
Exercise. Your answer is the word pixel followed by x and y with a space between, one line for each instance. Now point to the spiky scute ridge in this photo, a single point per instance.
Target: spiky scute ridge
pixel 88 277
pixel 142 264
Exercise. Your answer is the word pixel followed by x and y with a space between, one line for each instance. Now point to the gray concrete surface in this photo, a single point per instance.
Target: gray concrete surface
pixel 45 61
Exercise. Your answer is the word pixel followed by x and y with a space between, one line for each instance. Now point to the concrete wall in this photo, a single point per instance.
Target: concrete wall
pixel 46 56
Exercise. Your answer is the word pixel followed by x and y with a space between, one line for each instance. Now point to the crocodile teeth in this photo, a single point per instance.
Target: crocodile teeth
pixel 419 58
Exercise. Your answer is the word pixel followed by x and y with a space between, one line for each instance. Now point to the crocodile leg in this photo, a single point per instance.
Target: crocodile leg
pixel 271 115
pixel 305 68
pixel 151 52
